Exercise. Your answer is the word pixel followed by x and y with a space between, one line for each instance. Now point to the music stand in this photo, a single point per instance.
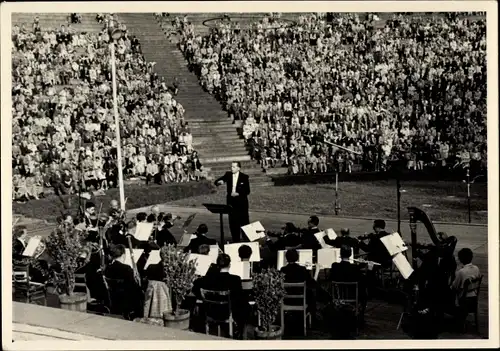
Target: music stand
pixel 221 210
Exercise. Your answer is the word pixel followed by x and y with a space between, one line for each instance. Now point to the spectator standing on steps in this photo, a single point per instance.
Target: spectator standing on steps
pixel 238 189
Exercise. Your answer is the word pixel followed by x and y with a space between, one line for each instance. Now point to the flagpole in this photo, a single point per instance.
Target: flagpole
pixel 115 35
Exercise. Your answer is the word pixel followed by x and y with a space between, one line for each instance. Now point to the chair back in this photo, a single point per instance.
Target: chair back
pixel 346 292
pixel 295 294
pixel 80 283
pixel 217 304
pixel 20 273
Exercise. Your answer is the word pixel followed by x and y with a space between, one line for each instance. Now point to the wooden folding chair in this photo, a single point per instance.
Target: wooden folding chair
pixel 347 293
pixel 217 306
pixel 24 288
pixel 299 297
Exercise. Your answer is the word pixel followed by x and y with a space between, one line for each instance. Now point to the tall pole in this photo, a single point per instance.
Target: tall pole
pixel 398 189
pixel 468 193
pixel 337 207
pixel 117 129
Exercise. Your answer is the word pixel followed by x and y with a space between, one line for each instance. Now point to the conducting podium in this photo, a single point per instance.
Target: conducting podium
pixel 221 210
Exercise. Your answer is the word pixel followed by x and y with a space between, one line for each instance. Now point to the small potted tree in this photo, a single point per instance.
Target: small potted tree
pixel 269 293
pixel 65 247
pixel 180 274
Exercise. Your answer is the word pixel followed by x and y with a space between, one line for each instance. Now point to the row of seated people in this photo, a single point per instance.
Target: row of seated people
pixel 63 115
pixel 419 99
pixel 131 304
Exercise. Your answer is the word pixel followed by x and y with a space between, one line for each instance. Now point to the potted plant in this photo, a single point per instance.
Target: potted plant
pixel 269 293
pixel 65 246
pixel 180 274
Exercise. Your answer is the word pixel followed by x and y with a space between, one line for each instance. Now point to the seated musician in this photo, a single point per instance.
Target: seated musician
pixel 309 241
pixel 38 267
pixel 289 238
pixel 20 241
pixel 163 234
pixel 344 240
pixel 91 222
pixel 126 293
pixel 464 301
pixel 345 271
pixel 201 238
pixel 295 273
pixel 224 281
pixel 376 250
pixel 114 208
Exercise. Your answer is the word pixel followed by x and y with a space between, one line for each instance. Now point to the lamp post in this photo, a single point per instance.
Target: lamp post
pixel 115 34
pixel 469 182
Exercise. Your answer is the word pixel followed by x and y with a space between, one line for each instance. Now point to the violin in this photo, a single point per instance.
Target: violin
pixel 364 237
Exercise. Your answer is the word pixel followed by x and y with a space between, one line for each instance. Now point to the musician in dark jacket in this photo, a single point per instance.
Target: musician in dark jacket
pixel 224 281
pixel 345 271
pixel 309 241
pixel 344 240
pixel 295 273
pixel 377 252
pixel 125 292
pixel 163 235
pixel 201 239
pixel 238 189
pixel 289 238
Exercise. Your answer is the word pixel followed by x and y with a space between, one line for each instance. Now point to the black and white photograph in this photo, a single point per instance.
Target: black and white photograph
pixel 296 173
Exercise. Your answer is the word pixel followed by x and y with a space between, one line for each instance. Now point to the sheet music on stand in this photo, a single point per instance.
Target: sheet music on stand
pixel 214 253
pixel 32 246
pixel 402 265
pixel 305 259
pixel 254 231
pixel 331 234
pixel 241 269
pixel 232 251
pixel 128 258
pixel 154 258
pixel 328 256
pixel 202 263
pixel 394 243
pixel 319 236
pixel 143 231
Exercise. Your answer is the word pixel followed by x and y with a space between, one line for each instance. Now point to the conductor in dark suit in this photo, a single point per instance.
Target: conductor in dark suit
pixel 238 189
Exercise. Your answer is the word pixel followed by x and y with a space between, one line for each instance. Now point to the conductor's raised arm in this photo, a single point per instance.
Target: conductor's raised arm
pixel 221 180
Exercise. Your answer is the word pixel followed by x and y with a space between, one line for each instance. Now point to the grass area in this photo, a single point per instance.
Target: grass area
pixel 442 201
pixel 139 195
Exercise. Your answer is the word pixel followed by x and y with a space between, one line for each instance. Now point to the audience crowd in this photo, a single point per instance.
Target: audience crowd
pixel 411 89
pixel 63 122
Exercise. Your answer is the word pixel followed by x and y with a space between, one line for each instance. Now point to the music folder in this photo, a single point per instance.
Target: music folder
pixel 319 236
pixel 305 259
pixel 394 243
pixel 402 265
pixel 33 243
pixel 154 258
pixel 202 263
pixel 254 231
pixel 128 257
pixel 143 231
pixel 241 269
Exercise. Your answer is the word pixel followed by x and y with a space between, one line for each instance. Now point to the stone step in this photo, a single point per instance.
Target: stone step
pixel 223 153
pixel 228 159
pixel 246 165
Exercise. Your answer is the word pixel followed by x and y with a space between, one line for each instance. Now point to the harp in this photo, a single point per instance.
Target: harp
pixel 445 246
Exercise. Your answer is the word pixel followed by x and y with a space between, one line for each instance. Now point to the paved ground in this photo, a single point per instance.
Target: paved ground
pixel 381 317
pixel 25 332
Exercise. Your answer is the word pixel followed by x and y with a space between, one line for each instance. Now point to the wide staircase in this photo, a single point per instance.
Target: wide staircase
pixel 215 137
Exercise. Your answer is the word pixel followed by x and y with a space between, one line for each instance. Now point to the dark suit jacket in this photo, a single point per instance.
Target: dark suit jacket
pixel 289 240
pixel 220 281
pixel 344 241
pixel 164 237
pixel 239 203
pixel 195 243
pixel 376 250
pixel 347 272
pixel 309 241
pixel 295 273
pixel 126 296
